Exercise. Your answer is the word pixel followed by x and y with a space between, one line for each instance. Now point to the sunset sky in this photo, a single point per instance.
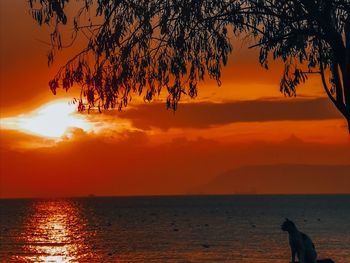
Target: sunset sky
pixel 48 149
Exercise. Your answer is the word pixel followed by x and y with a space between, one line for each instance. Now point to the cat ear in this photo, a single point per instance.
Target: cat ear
pixel 287 219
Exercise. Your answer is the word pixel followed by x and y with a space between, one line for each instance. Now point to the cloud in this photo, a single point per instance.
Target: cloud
pixel 204 115
pixel 14 140
pixel 136 166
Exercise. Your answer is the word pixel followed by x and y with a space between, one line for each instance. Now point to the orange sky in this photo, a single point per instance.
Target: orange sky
pixel 146 149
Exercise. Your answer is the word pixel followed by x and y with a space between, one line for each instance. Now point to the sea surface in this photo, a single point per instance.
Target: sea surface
pixel 171 229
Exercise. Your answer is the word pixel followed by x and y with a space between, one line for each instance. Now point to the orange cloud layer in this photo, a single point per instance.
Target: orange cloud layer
pixel 133 165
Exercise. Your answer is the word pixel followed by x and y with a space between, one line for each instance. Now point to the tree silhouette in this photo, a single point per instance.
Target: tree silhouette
pixel 142 47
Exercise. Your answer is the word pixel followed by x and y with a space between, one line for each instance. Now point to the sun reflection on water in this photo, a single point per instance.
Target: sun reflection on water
pixel 55 233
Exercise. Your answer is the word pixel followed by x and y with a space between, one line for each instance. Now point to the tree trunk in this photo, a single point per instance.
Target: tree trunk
pixel 346 80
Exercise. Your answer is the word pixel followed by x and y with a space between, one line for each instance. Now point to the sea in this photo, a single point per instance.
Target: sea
pixel 185 229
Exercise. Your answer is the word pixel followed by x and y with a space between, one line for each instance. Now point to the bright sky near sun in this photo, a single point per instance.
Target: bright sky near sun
pixel 51 120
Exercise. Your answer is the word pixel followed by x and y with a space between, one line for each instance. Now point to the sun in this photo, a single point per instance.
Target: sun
pixel 51 120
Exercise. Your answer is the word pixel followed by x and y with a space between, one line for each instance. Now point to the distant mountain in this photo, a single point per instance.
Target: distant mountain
pixel 281 179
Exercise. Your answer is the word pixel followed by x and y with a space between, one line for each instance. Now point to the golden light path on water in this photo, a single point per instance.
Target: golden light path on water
pixel 55 233
pixel 51 120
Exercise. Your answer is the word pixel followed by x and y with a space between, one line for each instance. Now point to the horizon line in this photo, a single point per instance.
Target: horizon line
pixel 91 196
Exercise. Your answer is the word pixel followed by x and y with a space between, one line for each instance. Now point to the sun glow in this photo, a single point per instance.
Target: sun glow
pixel 52 120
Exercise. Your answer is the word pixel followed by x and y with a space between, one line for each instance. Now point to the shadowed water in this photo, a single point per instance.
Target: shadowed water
pixel 171 229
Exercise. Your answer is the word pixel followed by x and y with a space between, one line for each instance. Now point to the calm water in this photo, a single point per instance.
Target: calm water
pixel 171 229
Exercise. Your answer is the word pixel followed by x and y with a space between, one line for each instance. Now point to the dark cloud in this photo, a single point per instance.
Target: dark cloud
pixel 204 115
